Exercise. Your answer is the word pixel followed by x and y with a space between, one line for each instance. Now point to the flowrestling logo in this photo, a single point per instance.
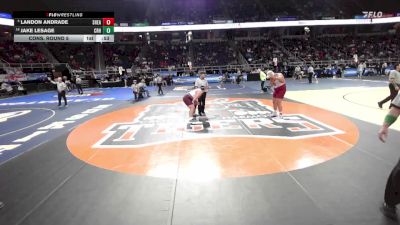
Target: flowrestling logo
pixel 164 123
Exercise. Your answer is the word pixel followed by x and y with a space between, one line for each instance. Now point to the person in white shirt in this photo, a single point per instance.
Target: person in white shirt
pixel 394 85
pixel 78 82
pixel 361 69
pixel 61 88
pixel 21 89
pixel 159 82
pixel 310 72
pixel 135 89
pixel 202 82
pixel 6 87
pixel 297 73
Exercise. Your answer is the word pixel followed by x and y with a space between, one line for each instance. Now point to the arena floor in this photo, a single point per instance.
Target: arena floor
pixel 109 160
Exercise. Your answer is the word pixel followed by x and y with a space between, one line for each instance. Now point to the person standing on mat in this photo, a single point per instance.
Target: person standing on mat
pixel 392 190
pixel 394 85
pixel 263 78
pixel 361 69
pixel 78 83
pixel 191 100
pixel 135 89
pixel 202 82
pixel 278 82
pixel 61 89
pixel 159 81
pixel 310 72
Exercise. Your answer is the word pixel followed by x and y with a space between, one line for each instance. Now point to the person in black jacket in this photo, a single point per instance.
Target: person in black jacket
pixel 392 190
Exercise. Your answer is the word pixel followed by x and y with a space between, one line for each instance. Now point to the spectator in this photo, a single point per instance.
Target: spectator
pixel 7 88
pixel 21 89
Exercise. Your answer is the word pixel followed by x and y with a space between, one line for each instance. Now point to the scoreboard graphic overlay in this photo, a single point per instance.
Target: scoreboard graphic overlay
pixel 64 26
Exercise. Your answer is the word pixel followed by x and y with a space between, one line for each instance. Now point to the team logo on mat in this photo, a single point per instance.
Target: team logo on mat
pixel 237 139
pixel 161 123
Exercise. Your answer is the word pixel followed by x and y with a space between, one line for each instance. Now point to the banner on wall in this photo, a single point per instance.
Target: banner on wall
pixel 211 78
pixel 16 74
pixel 6 77
pixel 13 74
pixel 36 76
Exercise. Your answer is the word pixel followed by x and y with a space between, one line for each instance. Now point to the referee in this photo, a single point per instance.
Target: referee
pixel 202 82
pixel 61 89
pixel 310 72
pixel 394 84
pixel 78 82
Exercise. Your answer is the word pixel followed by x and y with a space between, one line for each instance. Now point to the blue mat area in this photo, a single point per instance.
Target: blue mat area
pixel 90 95
pixel 25 127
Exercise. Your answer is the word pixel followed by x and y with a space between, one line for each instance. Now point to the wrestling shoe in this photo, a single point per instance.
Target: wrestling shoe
pixel 389 211
pixel 274 114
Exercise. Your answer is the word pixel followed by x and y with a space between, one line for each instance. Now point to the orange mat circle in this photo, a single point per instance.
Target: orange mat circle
pixel 213 156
